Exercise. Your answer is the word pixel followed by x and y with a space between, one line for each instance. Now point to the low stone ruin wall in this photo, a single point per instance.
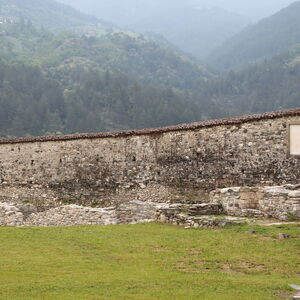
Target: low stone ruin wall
pixel 226 207
pixel 70 215
pixel 280 202
pixel 205 215
pixel 188 215
pixel 10 215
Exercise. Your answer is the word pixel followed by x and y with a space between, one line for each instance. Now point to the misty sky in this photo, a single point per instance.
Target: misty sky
pixel 254 9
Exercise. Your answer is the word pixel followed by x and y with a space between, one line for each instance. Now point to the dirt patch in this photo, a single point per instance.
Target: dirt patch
pixel 160 250
pixel 284 295
pixel 229 269
pixel 195 251
pixel 242 268
pixel 195 266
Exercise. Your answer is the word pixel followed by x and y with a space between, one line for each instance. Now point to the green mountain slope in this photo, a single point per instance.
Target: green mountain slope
pixel 136 55
pixel 52 16
pixel 32 103
pixel 271 85
pixel 70 83
pixel 31 31
pixel 269 37
pixel 66 82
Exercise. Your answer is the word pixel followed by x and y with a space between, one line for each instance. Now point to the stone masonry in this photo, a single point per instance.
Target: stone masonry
pixel 281 202
pixel 207 215
pixel 158 165
pixel 229 206
pixel 17 215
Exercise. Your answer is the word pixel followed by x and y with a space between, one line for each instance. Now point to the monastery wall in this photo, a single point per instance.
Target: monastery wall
pixel 165 164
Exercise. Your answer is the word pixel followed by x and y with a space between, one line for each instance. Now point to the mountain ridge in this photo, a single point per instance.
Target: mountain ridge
pixel 180 22
pixel 266 86
pixel 86 88
pixel 53 15
pixel 69 82
pixel 271 36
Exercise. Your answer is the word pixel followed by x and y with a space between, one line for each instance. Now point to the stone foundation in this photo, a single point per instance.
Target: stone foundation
pixel 191 216
pixel 205 215
pixel 72 215
pixel 238 203
pixel 279 202
pixel 169 216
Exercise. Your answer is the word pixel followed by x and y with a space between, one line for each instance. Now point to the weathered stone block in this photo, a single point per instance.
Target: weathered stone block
pixel 276 201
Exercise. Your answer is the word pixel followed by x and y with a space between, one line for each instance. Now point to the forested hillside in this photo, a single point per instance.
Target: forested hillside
pixel 267 86
pixel 269 37
pixel 30 103
pixel 54 82
pixel 51 15
pixel 83 84
pixel 73 85
pixel 133 54
pixel 34 104
pixel 69 82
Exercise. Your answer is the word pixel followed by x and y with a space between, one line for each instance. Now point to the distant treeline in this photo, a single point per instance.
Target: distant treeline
pixel 33 104
pixel 271 85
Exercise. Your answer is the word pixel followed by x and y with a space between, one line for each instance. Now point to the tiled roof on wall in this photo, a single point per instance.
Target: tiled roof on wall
pixel 182 127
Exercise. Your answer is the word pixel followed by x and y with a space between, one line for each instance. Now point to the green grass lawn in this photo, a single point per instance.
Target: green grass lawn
pixel 148 261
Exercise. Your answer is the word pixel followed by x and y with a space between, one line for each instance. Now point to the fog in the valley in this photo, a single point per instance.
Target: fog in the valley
pixel 127 11
pixel 196 26
pixel 71 66
pixel 254 9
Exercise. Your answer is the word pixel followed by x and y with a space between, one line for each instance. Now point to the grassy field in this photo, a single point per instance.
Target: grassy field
pixel 148 261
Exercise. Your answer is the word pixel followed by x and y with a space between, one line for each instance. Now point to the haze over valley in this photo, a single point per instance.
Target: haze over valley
pixel 196 26
pixel 108 65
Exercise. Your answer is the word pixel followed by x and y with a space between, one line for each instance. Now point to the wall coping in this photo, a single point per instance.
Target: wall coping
pixel 181 127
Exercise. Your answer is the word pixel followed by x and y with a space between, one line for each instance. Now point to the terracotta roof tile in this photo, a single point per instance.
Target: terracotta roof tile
pixel 192 126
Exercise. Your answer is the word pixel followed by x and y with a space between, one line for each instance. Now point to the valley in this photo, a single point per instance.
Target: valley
pixel 83 74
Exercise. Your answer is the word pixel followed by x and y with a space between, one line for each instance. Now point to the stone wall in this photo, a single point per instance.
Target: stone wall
pixel 160 165
pixel 230 206
pixel 133 212
pixel 206 215
pixel 280 202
